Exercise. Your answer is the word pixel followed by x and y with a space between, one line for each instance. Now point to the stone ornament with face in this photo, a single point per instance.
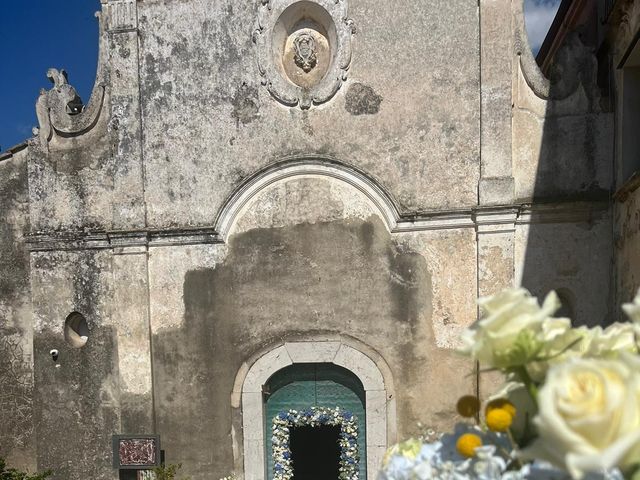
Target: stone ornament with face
pixel 305 52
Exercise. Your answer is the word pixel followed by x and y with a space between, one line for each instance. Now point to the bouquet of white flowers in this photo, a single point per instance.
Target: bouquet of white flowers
pixel 569 408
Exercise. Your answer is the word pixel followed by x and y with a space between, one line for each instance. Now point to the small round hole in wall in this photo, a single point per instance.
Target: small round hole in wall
pixel 76 330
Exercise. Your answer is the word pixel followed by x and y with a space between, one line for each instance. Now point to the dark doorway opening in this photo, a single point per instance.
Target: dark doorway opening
pixel 315 452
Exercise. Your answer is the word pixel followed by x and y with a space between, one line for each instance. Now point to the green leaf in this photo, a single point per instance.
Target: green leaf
pixel 167 472
pixel 13 474
pixel 632 473
pixel 524 349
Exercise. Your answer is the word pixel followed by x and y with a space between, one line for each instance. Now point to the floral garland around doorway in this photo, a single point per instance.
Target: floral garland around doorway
pixel 315 417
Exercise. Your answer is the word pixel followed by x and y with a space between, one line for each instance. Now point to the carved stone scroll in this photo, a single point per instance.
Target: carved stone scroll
pixel 60 110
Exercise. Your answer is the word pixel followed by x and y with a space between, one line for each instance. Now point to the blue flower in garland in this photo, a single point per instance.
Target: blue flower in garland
pixel 284 421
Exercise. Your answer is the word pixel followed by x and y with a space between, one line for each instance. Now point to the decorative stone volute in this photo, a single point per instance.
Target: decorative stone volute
pixel 303 49
pixel 61 110
pixel 62 98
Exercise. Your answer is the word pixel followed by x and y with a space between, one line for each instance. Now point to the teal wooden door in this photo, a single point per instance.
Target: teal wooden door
pixel 303 386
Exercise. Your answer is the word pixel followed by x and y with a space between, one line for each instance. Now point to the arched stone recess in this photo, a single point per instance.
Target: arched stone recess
pixel 378 199
pixel 361 360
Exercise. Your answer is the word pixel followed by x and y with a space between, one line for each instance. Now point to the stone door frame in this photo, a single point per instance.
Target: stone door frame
pixel 362 361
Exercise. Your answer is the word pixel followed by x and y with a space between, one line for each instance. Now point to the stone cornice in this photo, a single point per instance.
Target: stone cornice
pixel 120 241
pixel 483 220
pixel 574 212
pixel 496 219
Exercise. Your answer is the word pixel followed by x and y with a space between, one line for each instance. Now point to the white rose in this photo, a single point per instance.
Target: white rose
pixel 513 329
pixel 584 342
pixel 589 415
pixel 616 338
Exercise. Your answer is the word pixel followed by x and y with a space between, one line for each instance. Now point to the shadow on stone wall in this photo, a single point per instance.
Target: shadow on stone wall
pixel 573 256
pixel 76 408
pixel 277 284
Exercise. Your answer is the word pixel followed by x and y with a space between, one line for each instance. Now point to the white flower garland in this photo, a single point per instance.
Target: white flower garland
pixel 314 417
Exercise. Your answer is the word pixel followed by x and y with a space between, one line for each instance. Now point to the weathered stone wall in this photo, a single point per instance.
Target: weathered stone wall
pixel 104 387
pixel 627 238
pixel 308 259
pixel 627 198
pixel 572 258
pixel 209 123
pixel 562 157
pixel 85 177
pixel 77 397
pixel 562 148
pixel 403 198
pixel 16 329
pixel 562 129
pixel 85 171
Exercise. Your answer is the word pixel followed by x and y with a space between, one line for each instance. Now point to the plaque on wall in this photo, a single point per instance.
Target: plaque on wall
pixel 136 452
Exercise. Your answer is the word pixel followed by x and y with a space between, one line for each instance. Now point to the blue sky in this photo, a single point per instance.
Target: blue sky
pixel 538 16
pixel 38 34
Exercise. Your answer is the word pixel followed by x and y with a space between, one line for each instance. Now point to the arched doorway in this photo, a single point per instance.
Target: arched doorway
pixel 248 397
pixel 327 394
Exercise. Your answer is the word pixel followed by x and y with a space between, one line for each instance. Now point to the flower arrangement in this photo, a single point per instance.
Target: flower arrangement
pixel 569 407
pixel 314 417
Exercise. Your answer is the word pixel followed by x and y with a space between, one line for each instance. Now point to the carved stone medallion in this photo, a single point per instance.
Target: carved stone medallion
pixel 303 49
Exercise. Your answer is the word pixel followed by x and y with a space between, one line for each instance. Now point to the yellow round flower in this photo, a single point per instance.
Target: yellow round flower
pixel 468 406
pixel 467 444
pixel 502 404
pixel 499 420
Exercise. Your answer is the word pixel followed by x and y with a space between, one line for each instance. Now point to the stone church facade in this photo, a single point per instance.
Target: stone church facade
pixel 267 193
